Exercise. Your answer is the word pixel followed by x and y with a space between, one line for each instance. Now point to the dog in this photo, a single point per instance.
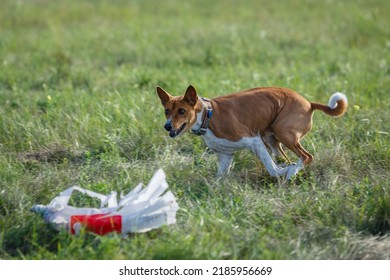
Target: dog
pixel 254 119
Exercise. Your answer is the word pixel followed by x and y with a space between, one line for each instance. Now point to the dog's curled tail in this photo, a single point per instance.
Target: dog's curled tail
pixel 336 107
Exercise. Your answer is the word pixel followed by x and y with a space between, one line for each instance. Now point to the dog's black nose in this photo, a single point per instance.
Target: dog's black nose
pixel 168 126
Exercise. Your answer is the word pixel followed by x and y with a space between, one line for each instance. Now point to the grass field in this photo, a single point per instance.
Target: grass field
pixel 78 107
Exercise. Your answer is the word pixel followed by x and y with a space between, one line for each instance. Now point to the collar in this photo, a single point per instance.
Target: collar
pixel 206 118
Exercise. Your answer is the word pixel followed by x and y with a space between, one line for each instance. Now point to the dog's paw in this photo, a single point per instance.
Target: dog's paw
pixel 285 164
pixel 291 172
pixel 293 169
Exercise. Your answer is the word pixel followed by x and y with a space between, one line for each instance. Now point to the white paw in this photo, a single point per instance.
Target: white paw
pixel 294 169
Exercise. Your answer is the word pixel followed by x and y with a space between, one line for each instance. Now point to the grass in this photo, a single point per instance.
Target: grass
pixel 78 106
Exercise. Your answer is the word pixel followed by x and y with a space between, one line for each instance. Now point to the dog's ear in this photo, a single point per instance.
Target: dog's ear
pixel 163 95
pixel 191 96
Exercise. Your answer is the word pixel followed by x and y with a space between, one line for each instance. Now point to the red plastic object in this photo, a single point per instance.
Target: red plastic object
pixel 97 223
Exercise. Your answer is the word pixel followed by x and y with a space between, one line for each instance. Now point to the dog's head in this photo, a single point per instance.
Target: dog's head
pixel 180 111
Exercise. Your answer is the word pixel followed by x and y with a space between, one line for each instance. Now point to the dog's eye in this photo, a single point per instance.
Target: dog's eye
pixel 181 111
pixel 166 112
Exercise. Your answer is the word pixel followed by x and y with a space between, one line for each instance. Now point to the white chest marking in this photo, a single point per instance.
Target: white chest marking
pixel 220 145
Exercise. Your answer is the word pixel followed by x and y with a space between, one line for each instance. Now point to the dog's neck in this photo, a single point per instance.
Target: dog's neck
pixel 202 117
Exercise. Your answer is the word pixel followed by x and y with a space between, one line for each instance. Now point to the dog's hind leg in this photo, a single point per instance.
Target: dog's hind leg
pixel 281 152
pixel 274 145
pixel 292 142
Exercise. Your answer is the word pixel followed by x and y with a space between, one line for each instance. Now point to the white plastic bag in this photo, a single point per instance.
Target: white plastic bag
pixel 141 210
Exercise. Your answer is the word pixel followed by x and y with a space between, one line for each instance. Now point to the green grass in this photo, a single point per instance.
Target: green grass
pixel 78 106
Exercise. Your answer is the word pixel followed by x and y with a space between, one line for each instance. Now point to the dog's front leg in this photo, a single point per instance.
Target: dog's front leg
pixel 259 148
pixel 224 163
pixel 294 168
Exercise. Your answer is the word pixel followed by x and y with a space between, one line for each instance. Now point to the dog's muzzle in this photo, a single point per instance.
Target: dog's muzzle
pixel 168 126
pixel 172 132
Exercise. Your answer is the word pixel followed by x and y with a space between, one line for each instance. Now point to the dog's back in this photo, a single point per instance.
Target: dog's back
pixel 252 112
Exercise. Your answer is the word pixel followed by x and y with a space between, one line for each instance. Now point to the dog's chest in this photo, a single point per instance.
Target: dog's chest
pixel 221 145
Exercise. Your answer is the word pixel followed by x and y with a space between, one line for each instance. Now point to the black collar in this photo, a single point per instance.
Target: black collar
pixel 206 119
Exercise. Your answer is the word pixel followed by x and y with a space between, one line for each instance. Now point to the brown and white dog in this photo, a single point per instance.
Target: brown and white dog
pixel 248 119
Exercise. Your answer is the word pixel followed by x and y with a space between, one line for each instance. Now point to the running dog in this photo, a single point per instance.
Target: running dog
pixel 252 119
